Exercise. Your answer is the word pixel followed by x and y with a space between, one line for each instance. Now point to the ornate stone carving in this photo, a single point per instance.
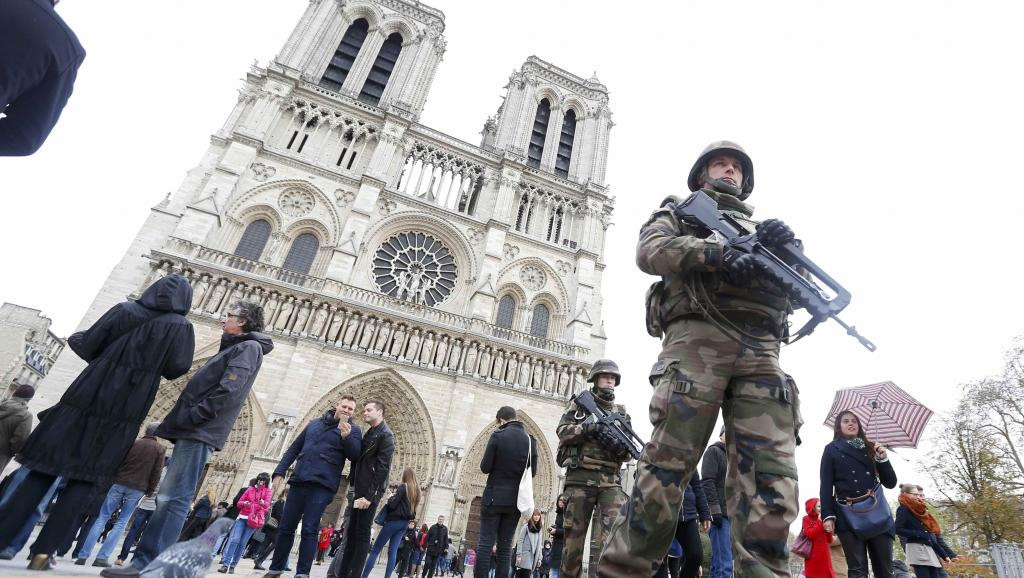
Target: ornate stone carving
pixel 386 207
pixel 447 466
pixel 296 203
pixel 511 251
pixel 532 277
pixel 343 197
pixel 563 267
pixel 262 172
pixel 474 235
pixel 415 267
pixel 276 431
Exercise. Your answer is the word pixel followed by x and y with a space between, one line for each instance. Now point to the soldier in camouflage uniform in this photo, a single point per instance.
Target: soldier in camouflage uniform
pixel 592 458
pixel 720 325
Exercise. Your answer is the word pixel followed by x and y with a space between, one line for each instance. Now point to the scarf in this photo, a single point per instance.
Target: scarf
pixel 856 442
pixel 919 509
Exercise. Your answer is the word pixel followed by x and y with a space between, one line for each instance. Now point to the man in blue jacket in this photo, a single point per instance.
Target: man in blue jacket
pixel 324 446
pixel 199 424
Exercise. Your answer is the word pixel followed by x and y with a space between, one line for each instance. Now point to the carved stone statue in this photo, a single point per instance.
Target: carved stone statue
pixel 447 466
pixel 563 381
pixel 498 371
pixel 414 345
pixel 538 375
pixel 337 321
pixel 427 349
pixel 317 325
pixel 270 308
pixel 440 356
pixel 368 332
pixel 512 371
pixel 352 324
pixel 200 289
pixel 216 295
pixel 455 356
pixel 275 437
pixel 380 345
pixel 301 317
pixel 470 365
pixel 284 314
pixel 549 377
pixel 525 373
pixel 485 363
pixel 398 344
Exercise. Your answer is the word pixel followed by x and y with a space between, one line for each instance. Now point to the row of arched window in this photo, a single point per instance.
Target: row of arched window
pixel 507 313
pixel 540 132
pixel 345 56
pixel 300 255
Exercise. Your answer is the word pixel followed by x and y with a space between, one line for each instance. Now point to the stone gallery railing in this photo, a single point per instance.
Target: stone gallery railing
pixel 373 324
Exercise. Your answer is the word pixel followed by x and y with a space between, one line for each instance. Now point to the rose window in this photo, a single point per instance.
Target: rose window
pixel 415 267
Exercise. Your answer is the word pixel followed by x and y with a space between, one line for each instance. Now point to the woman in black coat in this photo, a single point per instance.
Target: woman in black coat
pixel 557 533
pixel 920 532
pixel 851 466
pixel 89 431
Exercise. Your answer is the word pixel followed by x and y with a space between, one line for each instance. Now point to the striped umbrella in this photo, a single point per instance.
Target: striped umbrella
pixel 889 415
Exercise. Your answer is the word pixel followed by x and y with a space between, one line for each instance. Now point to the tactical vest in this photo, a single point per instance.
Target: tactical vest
pixel 589 455
pixel 668 300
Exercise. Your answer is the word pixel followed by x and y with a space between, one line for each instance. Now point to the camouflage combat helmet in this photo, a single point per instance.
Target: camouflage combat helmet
pixel 723 147
pixel 604 366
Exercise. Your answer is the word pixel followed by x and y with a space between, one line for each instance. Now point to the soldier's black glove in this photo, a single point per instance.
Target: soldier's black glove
pixel 773 233
pixel 592 429
pixel 739 267
pixel 716 519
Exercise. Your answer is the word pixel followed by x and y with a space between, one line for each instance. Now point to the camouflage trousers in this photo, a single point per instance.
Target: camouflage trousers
pixel 699 371
pixel 602 500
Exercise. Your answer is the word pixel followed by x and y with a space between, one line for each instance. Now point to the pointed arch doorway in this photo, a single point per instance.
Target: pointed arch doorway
pixel 406 415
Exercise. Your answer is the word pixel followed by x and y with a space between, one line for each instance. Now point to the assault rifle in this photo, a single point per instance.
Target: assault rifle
pixel 617 426
pixel 780 266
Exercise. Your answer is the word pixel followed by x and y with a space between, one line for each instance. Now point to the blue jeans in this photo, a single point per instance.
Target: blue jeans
pixel 721 550
pixel 173 500
pixel 118 497
pixel 306 502
pixel 21 538
pixel 138 524
pixel 241 531
pixel 393 531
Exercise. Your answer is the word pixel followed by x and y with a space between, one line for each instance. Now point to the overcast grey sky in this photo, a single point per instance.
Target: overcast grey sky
pixel 885 133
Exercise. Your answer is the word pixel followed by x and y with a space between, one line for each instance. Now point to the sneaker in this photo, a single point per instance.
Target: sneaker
pixel 7 554
pixel 231 570
pixel 80 562
pixel 223 569
pixel 258 567
pixel 101 563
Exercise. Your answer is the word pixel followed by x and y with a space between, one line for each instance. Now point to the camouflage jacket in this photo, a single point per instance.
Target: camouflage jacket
pixel 578 452
pixel 676 251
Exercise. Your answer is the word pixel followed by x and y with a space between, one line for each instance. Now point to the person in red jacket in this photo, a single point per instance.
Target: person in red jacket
pixel 326 533
pixel 819 564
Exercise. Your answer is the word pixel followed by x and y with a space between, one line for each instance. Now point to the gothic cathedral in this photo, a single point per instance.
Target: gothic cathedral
pixel 393 261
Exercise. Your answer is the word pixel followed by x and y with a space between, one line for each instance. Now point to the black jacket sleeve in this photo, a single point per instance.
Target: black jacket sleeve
pixel 236 376
pixel 33 114
pixel 698 491
pixel 708 474
pixel 905 527
pixel 825 490
pixel 89 344
pixel 380 473
pixel 180 359
pixel 396 498
pixel 487 463
pixel 291 453
pixel 886 474
pixel 533 456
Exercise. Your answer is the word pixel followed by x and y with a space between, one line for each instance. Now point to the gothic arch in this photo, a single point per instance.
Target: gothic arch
pixel 400 24
pixel 472 480
pixel 356 10
pixel 405 413
pixel 260 211
pixel 553 96
pixel 573 103
pixel 233 459
pixel 309 226
pixel 559 297
pixel 325 205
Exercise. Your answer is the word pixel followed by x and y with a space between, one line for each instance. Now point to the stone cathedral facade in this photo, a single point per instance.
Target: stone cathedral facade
pixel 393 261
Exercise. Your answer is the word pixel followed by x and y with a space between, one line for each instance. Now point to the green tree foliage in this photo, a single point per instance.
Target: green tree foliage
pixel 977 465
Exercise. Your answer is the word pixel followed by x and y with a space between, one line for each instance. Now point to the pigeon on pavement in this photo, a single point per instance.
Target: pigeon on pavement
pixel 189 559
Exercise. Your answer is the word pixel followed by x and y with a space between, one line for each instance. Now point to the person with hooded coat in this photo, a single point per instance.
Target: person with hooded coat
pixel 199 424
pixel 87 434
pixel 819 563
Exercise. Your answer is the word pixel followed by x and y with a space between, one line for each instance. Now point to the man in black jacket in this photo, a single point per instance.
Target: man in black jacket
pixel 437 541
pixel 712 473
pixel 199 424
pixel 504 462
pixel 369 479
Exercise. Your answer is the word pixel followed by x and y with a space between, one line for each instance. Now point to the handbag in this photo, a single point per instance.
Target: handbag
pixel 867 515
pixel 382 516
pixel 524 501
pixel 802 546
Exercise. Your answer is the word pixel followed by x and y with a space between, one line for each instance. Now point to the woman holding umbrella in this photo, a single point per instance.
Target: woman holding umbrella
pixel 853 467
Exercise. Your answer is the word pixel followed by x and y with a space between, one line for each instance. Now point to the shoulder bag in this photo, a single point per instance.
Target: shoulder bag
pixel 866 515
pixel 525 499
pixel 801 546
